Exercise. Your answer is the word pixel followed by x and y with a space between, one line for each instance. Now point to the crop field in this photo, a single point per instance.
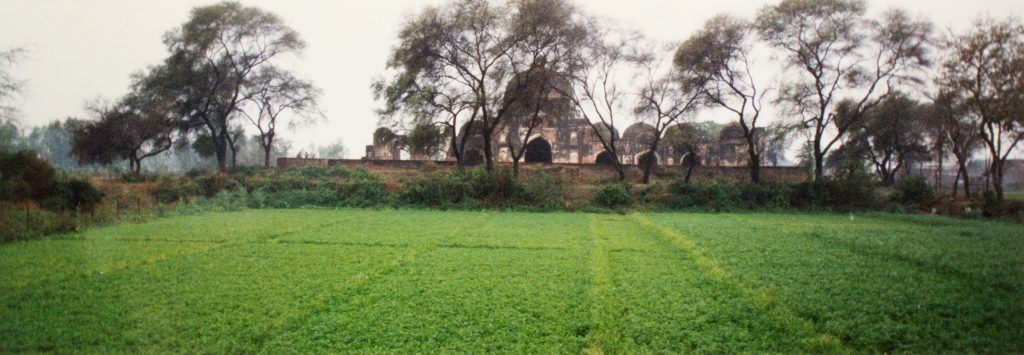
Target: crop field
pixel 276 281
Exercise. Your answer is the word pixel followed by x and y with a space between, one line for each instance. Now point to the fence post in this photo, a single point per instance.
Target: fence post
pixel 28 217
pixel 117 207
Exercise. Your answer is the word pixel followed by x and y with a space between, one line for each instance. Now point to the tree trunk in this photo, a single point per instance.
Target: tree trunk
pixel 652 161
pixel 819 160
pixel 956 181
pixel 266 157
pixel 819 166
pixel 689 169
pixel 515 165
pixel 488 154
pixel 967 181
pixel 220 146
pixel 455 149
pixel 268 147
pixel 997 179
pixel 755 161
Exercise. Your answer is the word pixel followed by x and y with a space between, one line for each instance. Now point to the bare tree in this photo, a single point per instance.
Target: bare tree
pixel 985 71
pixel 840 53
pixel 716 62
pixel 9 86
pixel 599 67
pixel 663 100
pixel 271 92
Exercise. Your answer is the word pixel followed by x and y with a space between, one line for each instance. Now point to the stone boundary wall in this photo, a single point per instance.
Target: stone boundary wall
pixel 781 173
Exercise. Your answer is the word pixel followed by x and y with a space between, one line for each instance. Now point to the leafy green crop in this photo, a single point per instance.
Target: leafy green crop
pixel 275 281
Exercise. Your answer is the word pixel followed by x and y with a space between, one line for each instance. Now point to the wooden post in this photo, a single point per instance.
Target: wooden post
pixel 28 217
pixel 117 207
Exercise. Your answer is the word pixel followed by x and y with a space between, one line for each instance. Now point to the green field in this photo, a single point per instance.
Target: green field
pixel 430 281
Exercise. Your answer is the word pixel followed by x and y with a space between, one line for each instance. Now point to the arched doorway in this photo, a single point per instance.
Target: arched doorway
pixel 605 158
pixel 473 157
pixel 647 159
pixel 538 151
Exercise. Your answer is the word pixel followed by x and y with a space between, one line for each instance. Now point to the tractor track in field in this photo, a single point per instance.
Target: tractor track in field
pixel 812 339
pixel 604 322
pixel 352 286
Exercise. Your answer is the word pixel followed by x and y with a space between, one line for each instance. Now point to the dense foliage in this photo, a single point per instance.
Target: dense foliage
pixel 26 177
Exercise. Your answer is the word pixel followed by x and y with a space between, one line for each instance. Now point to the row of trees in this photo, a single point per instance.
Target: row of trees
pixel 220 79
pixel 851 84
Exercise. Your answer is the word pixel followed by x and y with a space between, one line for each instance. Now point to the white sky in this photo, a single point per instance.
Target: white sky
pixel 80 50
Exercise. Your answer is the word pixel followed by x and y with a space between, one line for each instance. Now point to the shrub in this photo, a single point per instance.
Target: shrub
pixel 841 195
pixel 74 194
pixel 173 190
pixel 435 190
pixel 212 184
pixel 24 176
pixel 912 191
pixel 544 190
pixel 498 189
pixel 720 195
pixel 614 196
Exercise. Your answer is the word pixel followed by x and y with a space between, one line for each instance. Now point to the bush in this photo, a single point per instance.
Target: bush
pixel 213 184
pixel 478 189
pixel 912 191
pixel 839 195
pixel 614 196
pixel 545 191
pixel 171 191
pixel 74 194
pixel 727 195
pixel 24 176
pixel 435 190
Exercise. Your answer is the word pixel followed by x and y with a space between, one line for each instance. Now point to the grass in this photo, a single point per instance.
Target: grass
pixel 275 281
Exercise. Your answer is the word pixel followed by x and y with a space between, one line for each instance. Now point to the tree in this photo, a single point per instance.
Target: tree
pixel 716 62
pixel 599 67
pixel 890 135
pixel 686 140
pixel 53 142
pixel 460 56
pixel 423 141
pixel 836 52
pixel 213 57
pixel 9 86
pixel 271 92
pixel 984 70
pixel 135 128
pixel 335 150
pixel 664 100
pixel 959 135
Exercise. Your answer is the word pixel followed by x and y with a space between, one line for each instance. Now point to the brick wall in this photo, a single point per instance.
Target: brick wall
pixel 739 173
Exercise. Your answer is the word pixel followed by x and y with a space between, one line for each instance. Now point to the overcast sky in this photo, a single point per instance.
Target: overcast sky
pixel 81 50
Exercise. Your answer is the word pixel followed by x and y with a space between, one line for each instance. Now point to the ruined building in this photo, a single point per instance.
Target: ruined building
pixel 560 134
